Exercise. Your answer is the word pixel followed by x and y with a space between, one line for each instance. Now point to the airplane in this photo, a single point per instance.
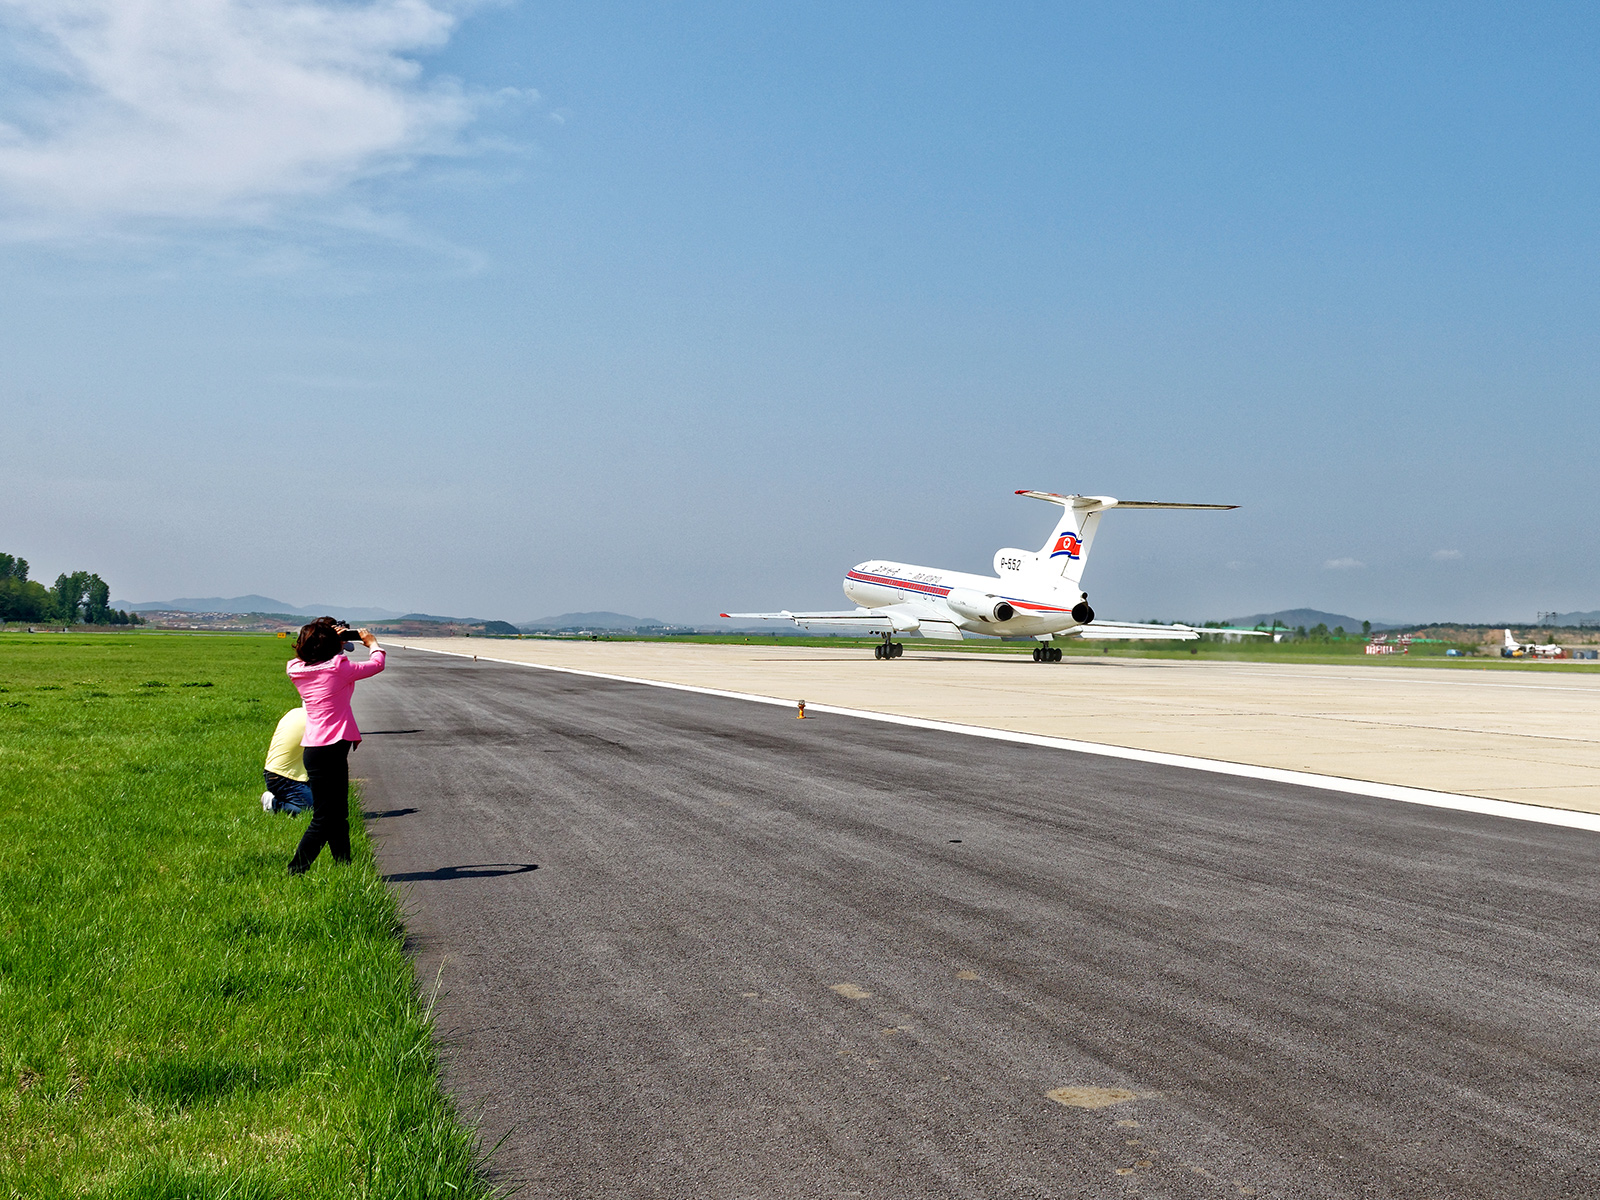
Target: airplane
pixel 1032 594
pixel 1515 649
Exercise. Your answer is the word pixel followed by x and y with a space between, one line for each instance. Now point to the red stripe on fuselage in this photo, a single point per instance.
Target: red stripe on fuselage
pixel 905 585
pixel 932 589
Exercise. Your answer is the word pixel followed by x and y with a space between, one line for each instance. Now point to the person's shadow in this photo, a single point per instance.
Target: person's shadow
pixel 472 871
pixel 388 812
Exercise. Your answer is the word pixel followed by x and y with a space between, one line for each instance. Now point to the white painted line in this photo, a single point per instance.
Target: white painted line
pixel 1331 783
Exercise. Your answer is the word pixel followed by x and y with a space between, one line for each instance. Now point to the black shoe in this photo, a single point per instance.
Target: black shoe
pixel 296 869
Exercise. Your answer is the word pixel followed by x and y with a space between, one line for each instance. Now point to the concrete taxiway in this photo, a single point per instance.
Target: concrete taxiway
pixel 1523 736
pixel 694 947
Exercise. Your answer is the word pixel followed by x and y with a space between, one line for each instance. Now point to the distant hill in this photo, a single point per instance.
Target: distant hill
pixel 1578 618
pixel 589 620
pixel 258 604
pixel 1309 617
pixel 435 619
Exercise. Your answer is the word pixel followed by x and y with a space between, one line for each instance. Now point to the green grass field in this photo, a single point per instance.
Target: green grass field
pixel 178 1018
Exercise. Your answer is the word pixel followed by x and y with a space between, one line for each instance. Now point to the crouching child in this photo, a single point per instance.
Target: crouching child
pixel 287 788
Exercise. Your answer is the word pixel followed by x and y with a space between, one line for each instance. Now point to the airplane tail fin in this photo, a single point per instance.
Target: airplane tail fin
pixel 1511 642
pixel 1067 551
pixel 1068 547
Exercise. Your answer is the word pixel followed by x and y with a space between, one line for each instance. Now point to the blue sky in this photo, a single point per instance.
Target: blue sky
pixel 511 309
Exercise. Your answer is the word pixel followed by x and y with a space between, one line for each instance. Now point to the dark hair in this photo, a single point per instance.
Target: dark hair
pixel 318 641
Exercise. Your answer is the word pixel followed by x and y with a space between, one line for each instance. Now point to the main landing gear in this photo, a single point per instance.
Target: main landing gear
pixel 888 649
pixel 1046 654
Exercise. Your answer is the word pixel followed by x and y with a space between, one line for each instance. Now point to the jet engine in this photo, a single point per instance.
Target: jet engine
pixel 1082 613
pixel 976 606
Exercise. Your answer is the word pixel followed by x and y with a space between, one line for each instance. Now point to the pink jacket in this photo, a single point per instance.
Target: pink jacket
pixel 326 689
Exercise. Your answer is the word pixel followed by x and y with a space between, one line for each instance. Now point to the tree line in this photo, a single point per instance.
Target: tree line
pixel 79 598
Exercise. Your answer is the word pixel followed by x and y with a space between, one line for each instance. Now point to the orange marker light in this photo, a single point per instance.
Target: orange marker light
pixel 802 713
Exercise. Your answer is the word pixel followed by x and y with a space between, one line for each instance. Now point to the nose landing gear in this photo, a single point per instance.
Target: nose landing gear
pixel 1049 654
pixel 888 649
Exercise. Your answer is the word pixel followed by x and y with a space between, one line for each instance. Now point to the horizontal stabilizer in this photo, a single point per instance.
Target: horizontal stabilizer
pixel 1165 504
pixel 1112 502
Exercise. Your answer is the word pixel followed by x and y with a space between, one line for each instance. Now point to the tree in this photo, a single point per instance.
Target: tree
pixel 81 595
pixel 68 595
pixel 1366 628
pixel 98 608
pixel 23 600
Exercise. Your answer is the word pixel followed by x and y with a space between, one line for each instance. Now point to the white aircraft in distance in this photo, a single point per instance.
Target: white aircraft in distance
pixel 1032 594
pixel 1516 649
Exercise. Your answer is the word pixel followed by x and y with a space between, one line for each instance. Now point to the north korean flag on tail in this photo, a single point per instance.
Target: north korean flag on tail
pixel 1067 544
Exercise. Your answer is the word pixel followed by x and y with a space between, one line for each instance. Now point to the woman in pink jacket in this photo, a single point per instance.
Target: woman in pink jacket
pixel 325 678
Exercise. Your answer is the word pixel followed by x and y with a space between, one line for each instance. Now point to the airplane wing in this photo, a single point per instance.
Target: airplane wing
pixel 1132 631
pixel 867 620
pixel 1101 631
pixel 891 618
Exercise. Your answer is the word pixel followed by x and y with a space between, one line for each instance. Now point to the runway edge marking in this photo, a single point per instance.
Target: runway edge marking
pixel 1510 809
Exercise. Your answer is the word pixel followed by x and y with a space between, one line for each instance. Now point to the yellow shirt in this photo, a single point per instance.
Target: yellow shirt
pixel 283 757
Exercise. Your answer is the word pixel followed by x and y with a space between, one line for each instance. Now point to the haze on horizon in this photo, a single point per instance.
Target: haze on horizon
pixel 518 309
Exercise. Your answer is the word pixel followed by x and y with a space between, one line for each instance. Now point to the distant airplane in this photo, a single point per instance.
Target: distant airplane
pixel 1515 649
pixel 1032 594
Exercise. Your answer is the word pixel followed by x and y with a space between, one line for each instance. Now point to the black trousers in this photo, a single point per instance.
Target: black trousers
pixel 328 769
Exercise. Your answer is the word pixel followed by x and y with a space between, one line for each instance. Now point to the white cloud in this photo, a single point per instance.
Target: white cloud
pixel 1445 555
pixel 220 110
pixel 1343 564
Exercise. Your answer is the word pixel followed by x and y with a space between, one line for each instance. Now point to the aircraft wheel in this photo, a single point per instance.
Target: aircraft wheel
pixel 1055 653
pixel 877 651
pixel 1037 652
pixel 896 649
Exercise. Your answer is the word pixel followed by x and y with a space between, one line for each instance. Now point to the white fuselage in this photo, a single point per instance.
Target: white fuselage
pixel 1039 606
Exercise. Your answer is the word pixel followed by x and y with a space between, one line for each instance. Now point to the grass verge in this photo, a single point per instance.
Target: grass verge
pixel 178 1018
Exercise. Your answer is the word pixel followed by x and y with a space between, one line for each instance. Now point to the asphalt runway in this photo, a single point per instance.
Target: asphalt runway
pixel 694 947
